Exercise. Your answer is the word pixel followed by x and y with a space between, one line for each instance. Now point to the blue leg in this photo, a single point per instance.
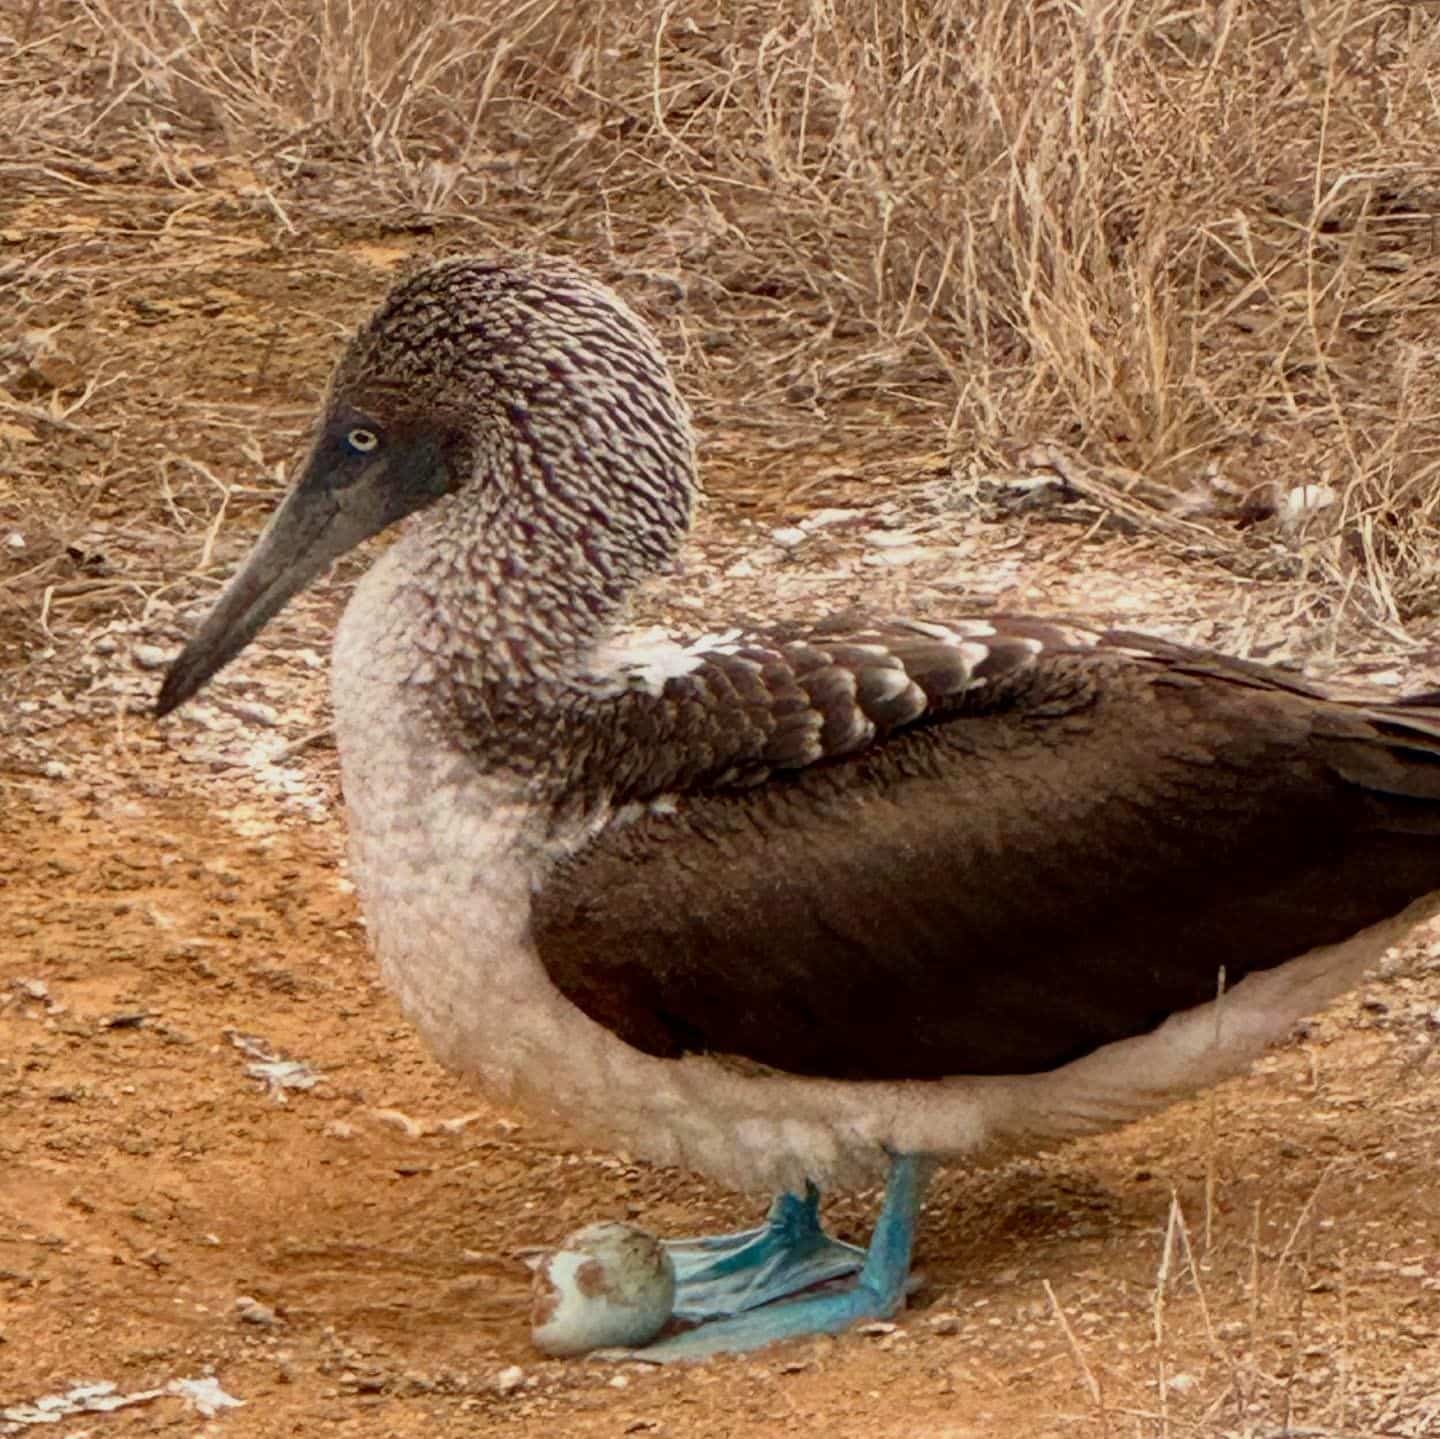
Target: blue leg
pixel 728 1274
pixel 878 1293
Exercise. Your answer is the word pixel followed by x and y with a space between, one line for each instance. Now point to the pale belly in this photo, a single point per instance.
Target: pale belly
pixel 446 894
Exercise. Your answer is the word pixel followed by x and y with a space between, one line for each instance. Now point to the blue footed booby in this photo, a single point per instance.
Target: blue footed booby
pixel 800 905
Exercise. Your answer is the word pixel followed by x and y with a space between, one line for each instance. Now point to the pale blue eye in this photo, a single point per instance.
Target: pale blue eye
pixel 362 440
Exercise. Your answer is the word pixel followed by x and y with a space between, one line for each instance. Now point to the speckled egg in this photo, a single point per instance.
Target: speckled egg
pixel 609 1285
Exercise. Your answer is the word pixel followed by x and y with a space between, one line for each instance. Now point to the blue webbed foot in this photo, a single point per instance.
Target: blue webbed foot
pixel 727 1274
pixel 877 1293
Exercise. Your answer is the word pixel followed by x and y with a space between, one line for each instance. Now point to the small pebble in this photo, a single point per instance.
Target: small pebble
pixel 1181 1383
pixel 459 1124
pixel 944 1323
pixel 788 536
pixel 150 657
pixel 398 1119
pixel 252 1311
pixel 507 1381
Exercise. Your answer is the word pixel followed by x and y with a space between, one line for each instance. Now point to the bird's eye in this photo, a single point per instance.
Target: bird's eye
pixel 362 440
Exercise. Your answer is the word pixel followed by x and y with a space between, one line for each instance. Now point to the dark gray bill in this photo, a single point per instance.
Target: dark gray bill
pixel 307 532
pixel 341 500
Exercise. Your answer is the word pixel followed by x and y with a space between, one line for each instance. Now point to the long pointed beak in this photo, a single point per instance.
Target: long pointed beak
pixel 296 546
pixel 338 502
pixel 315 524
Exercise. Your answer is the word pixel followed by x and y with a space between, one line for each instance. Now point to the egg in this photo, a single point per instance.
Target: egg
pixel 609 1285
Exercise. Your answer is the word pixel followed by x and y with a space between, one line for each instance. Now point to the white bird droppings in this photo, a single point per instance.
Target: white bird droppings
pixel 206 1395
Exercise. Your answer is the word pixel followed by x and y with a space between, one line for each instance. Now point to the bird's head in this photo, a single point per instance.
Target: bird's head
pixel 527 398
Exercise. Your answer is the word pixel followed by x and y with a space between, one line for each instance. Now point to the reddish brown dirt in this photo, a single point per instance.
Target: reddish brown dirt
pixel 151 1185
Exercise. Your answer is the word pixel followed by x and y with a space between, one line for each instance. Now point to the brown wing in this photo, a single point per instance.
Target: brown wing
pixel 789 697
pixel 1010 880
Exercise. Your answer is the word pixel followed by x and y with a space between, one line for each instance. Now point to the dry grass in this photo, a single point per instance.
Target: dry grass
pixel 1197 245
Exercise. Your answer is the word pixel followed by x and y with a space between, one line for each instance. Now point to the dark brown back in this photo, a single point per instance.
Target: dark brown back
pixel 1004 891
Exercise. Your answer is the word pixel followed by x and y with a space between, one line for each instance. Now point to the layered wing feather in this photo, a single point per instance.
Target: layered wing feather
pixel 907 851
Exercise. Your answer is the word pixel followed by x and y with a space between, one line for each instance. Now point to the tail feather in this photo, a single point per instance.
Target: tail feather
pixel 1392 749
